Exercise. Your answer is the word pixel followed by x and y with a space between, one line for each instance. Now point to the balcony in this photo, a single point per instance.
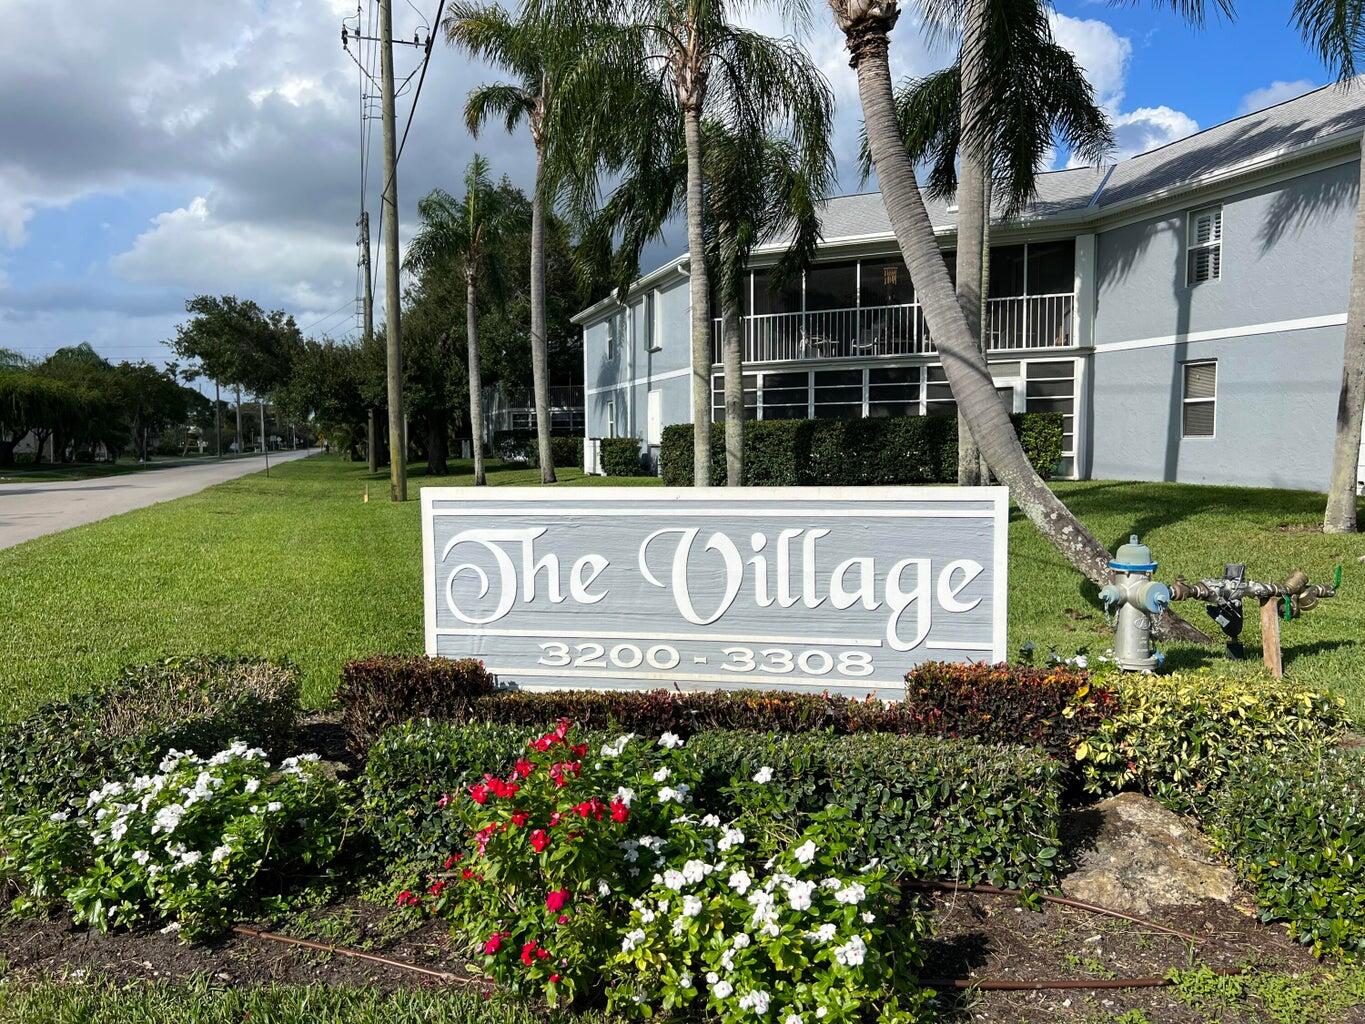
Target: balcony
pixel 1017 323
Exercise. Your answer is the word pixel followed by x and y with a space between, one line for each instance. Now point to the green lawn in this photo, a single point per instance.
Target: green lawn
pixel 97 470
pixel 299 566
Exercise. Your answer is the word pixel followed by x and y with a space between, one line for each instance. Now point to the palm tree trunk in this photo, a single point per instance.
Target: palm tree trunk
pixel 1341 493
pixel 984 471
pixel 475 383
pixel 700 289
pixel 732 357
pixel 963 363
pixel 540 348
pixel 438 443
pixel 971 194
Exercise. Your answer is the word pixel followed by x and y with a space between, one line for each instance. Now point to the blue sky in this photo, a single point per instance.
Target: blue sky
pixel 174 146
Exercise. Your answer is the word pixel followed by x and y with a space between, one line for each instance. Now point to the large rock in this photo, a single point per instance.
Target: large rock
pixel 1134 855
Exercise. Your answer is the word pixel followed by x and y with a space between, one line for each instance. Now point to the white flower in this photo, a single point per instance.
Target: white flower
pixel 763 776
pixel 868 917
pixel 757 1000
pixel 853 893
pixel 646 916
pixel 740 882
pixel 852 953
pixel 625 794
pixel 252 785
pixel 670 741
pixel 220 854
pixel 1081 661
pixel 677 795
pixel 820 1013
pixel 661 775
pixel 710 821
pixel 614 748
pixel 695 870
pixel 58 816
pixel 824 933
pixel 173 757
pixel 722 989
pixel 632 940
pixel 674 880
pixel 167 818
pixel 805 853
pixel 730 838
pixel 741 940
pixel 118 829
pixel 655 843
pixel 691 906
pixel 141 857
pixel 684 980
pixel 798 895
pixel 792 1018
pixel 274 806
pixel 712 977
pixel 190 858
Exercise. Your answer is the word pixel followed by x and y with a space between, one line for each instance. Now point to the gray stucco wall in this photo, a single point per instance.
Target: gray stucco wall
pixel 635 369
pixel 1286 255
pixel 1275 412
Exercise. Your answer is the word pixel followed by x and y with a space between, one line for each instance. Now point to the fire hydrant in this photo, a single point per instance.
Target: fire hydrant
pixel 1139 598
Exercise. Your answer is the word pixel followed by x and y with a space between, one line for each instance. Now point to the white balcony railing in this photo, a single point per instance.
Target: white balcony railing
pixel 1022 322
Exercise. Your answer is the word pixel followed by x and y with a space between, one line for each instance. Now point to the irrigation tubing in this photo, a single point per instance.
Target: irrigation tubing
pixel 933 885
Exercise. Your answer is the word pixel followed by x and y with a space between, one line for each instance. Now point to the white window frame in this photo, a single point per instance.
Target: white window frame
pixel 1192 218
pixel 611 417
pixel 1185 400
pixel 654 327
pixel 654 417
pixel 612 329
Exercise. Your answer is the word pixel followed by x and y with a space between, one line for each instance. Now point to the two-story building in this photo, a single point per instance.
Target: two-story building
pixel 1183 309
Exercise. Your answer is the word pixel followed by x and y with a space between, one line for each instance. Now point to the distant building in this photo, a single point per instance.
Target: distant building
pixel 1183 309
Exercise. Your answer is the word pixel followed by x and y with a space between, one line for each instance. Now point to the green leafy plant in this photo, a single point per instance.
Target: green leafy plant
pixel 1178 737
pixel 1294 830
pixel 191 843
pixel 1283 998
pixel 926 806
pixel 804 934
pixel 620 456
pixel 548 854
pixel 386 690
pixel 69 747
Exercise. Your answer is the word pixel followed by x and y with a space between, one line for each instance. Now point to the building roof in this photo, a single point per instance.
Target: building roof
pixel 1253 140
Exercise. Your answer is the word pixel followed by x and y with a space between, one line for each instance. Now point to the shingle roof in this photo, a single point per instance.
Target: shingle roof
pixel 1248 139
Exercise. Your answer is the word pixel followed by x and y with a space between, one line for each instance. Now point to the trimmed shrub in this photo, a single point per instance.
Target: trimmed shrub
pixel 385 690
pixel 1054 708
pixel 514 446
pixel 70 747
pixel 885 451
pixel 932 807
pixel 411 767
pixel 567 452
pixel 1178 737
pixel 621 456
pixel 1295 832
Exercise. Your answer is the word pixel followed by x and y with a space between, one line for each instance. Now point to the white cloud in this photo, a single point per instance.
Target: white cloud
pixel 1276 92
pixel 1148 128
pixel 1101 52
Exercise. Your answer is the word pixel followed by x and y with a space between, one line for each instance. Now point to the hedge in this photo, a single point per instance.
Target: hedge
pixel 68 748
pixel 522 446
pixel 567 452
pixel 1053 708
pixel 1294 830
pixel 385 690
pixel 621 456
pixel 935 808
pixel 848 453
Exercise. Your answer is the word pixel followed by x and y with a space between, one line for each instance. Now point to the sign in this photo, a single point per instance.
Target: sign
pixel 809 589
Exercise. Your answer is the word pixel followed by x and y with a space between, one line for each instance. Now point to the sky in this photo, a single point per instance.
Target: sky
pixel 155 150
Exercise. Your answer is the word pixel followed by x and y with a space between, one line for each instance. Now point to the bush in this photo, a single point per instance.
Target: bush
pixel 514 446
pixel 567 452
pixel 1053 708
pixel 187 844
pixel 1178 737
pixel 885 451
pixel 620 456
pixel 385 690
pixel 931 807
pixel 1295 832
pixel 70 747
pixel 412 767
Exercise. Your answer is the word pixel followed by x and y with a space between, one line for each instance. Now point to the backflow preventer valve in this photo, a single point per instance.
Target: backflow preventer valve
pixel 1139 598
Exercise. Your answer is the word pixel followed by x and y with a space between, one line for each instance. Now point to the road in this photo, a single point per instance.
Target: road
pixel 29 510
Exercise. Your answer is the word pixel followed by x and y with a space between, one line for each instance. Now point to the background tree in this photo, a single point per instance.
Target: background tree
pixel 463 237
pixel 1336 29
pixel 436 379
pixel 216 339
pixel 324 388
pixel 98 418
pixel 867 26
pixel 152 399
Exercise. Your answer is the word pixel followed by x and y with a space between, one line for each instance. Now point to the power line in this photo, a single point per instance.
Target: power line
pixel 348 304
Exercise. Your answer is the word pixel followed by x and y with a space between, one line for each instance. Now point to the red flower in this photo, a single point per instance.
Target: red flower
pixel 563 918
pixel 619 811
pixel 524 768
pixel 407 898
pixel 436 888
pixel 445 799
pixel 554 979
pixel 562 729
pixel 453 859
pixel 467 873
pixel 541 745
pixel 520 818
pixel 542 954
pixel 583 809
pixel 556 900
pixel 579 749
pixel 539 840
pixel 479 793
pixel 494 943
pixel 527 952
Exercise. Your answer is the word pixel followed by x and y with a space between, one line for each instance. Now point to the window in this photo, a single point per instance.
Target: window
pixel 1050 386
pixel 718 397
pixel 654 417
pixel 786 396
pixel 938 400
pixel 832 286
pixel 615 328
pixel 611 417
pixel 1199 399
pixel 1204 246
pixel 656 322
pixel 893 391
pixel 885 283
pixel 839 394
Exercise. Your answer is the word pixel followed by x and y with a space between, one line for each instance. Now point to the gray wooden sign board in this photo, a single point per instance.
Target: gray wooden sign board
pixel 814 589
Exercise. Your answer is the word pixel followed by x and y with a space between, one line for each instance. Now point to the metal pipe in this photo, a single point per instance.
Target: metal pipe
pixel 257 933
pixel 1052 984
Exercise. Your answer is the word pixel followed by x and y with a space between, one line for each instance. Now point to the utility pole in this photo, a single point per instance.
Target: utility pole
pixel 217 419
pixel 398 456
pixel 241 444
pixel 265 445
pixel 372 440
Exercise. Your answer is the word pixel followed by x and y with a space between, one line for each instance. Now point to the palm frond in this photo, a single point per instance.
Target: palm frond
pixel 1335 28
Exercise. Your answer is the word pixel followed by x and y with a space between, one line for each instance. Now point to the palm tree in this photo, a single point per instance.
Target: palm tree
pixel 867 26
pixel 1337 29
pixel 537 53
pixel 1035 95
pixel 705 67
pixel 464 236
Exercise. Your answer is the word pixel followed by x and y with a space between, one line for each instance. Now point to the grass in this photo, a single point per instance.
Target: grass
pixel 201 1003
pixel 47 472
pixel 298 566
